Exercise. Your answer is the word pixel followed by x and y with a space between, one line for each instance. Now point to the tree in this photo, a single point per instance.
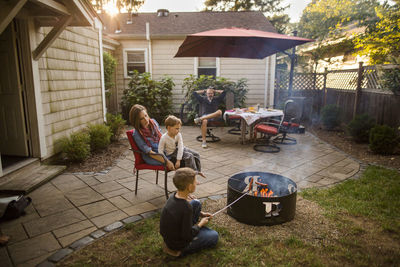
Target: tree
pixel 324 18
pixel 266 6
pixel 103 6
pixel 381 40
pixel 281 23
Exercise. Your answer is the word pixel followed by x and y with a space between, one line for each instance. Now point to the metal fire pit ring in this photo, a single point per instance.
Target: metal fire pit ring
pixel 260 210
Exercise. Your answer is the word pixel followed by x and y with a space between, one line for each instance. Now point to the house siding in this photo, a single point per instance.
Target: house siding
pixel 251 69
pixel 70 80
pixel 163 63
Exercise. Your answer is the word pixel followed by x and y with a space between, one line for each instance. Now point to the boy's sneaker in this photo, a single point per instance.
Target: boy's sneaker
pixel 173 253
pixel 204 145
pixel 197 120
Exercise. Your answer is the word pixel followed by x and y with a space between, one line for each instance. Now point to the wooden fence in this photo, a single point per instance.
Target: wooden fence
pixel 355 91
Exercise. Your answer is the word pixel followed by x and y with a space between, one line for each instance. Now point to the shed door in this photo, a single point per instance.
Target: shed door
pixel 13 139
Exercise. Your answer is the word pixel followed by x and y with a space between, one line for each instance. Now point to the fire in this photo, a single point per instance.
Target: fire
pixel 257 188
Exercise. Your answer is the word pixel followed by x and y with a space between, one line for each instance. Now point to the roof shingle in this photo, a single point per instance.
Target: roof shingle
pixel 184 23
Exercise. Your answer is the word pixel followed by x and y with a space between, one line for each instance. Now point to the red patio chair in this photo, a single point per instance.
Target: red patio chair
pixel 265 144
pixel 236 120
pixel 140 164
pixel 289 125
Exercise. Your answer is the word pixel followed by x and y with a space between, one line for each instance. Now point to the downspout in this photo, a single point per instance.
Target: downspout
pixel 150 52
pixel 99 26
pixel 269 81
pixel 272 80
pixel 266 81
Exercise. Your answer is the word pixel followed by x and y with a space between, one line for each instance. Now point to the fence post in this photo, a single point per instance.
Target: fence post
pixel 277 87
pixel 292 62
pixel 324 87
pixel 358 89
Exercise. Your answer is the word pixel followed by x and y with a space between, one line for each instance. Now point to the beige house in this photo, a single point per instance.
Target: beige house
pixel 149 41
pixel 51 78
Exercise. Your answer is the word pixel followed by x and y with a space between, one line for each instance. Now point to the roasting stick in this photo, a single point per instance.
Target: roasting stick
pixel 215 213
pixel 245 193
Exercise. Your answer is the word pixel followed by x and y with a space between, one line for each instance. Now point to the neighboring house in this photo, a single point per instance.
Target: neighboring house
pixel 149 41
pixel 51 78
pixel 338 52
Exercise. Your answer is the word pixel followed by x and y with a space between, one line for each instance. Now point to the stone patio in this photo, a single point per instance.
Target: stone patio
pixel 73 209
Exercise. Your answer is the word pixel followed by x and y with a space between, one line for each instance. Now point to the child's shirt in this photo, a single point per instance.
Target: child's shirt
pixel 176 223
pixel 168 145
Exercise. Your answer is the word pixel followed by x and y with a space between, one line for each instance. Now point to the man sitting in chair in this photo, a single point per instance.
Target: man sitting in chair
pixel 209 109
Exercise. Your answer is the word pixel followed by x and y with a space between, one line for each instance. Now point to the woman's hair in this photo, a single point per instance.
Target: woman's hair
pixel 171 120
pixel 134 115
pixel 183 177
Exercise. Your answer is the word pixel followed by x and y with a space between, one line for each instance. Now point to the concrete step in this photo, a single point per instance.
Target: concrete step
pixel 29 178
pixel 15 170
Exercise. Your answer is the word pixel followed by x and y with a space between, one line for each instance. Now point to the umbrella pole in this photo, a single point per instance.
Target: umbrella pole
pixel 292 62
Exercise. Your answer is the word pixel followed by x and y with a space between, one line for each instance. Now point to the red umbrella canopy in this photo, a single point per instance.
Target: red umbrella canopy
pixel 237 42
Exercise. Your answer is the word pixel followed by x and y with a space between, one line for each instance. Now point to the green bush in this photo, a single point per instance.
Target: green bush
pixel 109 64
pixel 156 96
pixel 359 128
pixel 116 124
pixel 100 135
pixel 383 139
pixel 76 148
pixel 330 116
pixel 193 83
pixel 390 79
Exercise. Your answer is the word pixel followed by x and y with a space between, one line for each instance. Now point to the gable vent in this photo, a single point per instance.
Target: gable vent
pixel 162 13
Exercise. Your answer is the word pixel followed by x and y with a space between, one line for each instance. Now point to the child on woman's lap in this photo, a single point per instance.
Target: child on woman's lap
pixel 171 145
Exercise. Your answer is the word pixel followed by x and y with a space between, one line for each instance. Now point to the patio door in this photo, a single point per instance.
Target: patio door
pixel 13 136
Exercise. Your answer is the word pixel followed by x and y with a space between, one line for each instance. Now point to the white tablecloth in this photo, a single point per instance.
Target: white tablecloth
pixel 251 117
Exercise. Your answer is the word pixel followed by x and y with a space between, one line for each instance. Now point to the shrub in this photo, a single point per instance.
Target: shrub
pixel 383 139
pixel 76 147
pixel 116 124
pixel 156 96
pixel 330 116
pixel 390 79
pixel 109 64
pixel 100 135
pixel 193 83
pixel 359 128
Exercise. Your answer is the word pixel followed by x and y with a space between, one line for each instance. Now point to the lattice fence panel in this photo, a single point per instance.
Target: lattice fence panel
pixel 307 81
pixel 301 81
pixel 371 78
pixel 342 79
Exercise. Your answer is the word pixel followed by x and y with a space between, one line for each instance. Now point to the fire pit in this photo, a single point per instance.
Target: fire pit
pixel 270 198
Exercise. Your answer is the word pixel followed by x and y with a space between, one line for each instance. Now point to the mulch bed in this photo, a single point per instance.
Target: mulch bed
pixel 100 161
pixel 359 151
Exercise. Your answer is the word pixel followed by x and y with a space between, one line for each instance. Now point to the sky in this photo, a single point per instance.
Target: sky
pixel 294 12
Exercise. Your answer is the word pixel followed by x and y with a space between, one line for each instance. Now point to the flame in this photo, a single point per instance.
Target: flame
pixel 257 188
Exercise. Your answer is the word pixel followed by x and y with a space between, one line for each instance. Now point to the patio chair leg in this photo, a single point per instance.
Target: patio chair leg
pixel 137 179
pixel 157 177
pixel 165 183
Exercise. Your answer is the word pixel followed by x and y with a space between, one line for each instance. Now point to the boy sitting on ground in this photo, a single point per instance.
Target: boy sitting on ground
pixel 179 226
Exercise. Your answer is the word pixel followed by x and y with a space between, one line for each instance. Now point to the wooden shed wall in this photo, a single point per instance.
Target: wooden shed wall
pixel 70 80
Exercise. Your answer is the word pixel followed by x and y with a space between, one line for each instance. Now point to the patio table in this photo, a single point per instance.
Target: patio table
pixel 248 118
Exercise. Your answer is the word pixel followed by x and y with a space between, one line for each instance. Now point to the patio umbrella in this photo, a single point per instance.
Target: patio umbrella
pixel 238 43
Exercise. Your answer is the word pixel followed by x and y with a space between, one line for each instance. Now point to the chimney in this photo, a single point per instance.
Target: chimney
pixel 162 13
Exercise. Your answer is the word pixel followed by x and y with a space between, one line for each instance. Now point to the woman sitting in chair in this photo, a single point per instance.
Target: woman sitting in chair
pixel 147 135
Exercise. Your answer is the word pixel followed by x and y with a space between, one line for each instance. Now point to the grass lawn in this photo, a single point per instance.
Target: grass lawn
pixel 356 223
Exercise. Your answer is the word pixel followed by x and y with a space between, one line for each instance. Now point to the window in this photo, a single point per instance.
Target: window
pixel 134 60
pixel 207 66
